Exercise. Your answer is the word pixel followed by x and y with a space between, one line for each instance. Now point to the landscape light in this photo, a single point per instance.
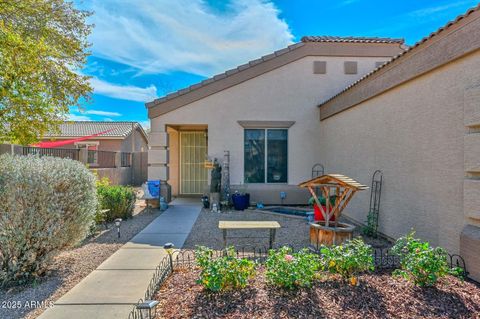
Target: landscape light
pixel 118 222
pixel 169 248
pixel 146 307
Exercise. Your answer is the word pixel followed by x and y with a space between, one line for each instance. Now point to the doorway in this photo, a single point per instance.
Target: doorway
pixel 193 153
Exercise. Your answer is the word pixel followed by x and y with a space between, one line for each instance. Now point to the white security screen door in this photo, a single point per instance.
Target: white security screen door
pixel 193 153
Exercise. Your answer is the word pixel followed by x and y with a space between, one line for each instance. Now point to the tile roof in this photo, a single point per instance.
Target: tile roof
pixel 87 128
pixel 351 39
pixel 407 51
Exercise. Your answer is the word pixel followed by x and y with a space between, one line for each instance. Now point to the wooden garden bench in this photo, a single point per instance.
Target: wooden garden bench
pixel 255 225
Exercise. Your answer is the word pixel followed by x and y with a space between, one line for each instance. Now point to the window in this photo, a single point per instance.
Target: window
pixel 266 155
pixel 92 153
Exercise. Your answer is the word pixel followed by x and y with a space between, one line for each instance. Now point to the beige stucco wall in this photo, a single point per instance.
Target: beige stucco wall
pixel 140 144
pixel 288 93
pixel 414 133
pixel 174 160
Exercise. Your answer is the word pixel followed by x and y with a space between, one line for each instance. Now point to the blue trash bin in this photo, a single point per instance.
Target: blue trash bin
pixel 154 188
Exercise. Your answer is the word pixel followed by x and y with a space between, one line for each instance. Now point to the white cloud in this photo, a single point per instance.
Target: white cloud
pixel 102 113
pixel 437 9
pixel 76 117
pixel 185 35
pixel 123 92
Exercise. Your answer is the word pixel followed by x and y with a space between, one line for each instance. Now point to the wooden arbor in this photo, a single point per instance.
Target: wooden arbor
pixel 343 188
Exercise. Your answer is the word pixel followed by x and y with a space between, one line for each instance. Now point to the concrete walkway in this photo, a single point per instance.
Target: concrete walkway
pixel 119 282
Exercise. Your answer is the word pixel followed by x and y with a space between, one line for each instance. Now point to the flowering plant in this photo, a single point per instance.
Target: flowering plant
pixel 348 259
pixel 223 272
pixel 420 263
pixel 291 270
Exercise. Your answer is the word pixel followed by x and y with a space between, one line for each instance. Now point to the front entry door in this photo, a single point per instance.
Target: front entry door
pixel 193 153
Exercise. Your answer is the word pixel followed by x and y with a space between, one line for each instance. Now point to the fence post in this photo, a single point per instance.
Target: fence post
pixel 118 159
pixel 83 155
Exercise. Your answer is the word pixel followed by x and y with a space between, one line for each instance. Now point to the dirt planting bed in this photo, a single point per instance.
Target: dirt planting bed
pixel 379 295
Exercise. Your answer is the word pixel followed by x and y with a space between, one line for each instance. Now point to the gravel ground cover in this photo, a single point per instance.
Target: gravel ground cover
pixel 71 266
pixel 378 296
pixel 294 231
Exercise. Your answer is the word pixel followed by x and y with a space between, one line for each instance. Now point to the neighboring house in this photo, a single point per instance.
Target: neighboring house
pixel 416 118
pixel 101 136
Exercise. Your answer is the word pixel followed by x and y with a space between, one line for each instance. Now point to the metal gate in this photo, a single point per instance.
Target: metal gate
pixel 193 152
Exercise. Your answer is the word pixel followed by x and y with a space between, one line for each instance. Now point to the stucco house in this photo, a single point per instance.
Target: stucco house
pixel 354 105
pixel 116 150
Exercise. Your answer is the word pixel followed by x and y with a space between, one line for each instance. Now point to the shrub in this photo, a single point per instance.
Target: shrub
pixel 120 200
pixel 46 205
pixel 420 263
pixel 291 270
pixel 347 260
pixel 224 272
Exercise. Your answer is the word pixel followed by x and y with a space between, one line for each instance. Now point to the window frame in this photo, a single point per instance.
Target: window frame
pixel 265 161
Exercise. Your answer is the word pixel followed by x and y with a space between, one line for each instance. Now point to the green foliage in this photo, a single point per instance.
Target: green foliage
pixel 370 229
pixel 291 270
pixel 225 272
pixel 420 263
pixel 347 260
pixel 43 44
pixel 100 182
pixel 46 205
pixel 322 200
pixel 119 200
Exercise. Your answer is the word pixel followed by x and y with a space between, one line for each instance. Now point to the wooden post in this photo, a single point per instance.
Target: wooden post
pixel 315 198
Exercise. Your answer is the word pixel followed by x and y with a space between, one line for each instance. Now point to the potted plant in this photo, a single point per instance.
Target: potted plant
pixel 317 213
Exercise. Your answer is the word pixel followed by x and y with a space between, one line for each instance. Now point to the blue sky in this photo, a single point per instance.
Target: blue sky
pixel 143 49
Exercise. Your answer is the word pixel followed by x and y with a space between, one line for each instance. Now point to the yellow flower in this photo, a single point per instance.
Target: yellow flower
pixel 332 263
pixel 353 281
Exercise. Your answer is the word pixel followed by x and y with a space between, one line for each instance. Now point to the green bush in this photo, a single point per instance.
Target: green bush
pixel 420 263
pixel 120 200
pixel 347 260
pixel 224 272
pixel 291 270
pixel 46 205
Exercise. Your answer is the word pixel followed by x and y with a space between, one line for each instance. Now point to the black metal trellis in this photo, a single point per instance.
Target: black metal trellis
pixel 374 210
pixel 383 258
pixel 318 170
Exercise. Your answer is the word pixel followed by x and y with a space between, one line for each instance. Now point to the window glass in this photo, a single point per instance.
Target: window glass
pixel 254 158
pixel 277 155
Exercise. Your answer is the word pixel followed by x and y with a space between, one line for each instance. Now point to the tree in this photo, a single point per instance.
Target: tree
pixel 43 44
